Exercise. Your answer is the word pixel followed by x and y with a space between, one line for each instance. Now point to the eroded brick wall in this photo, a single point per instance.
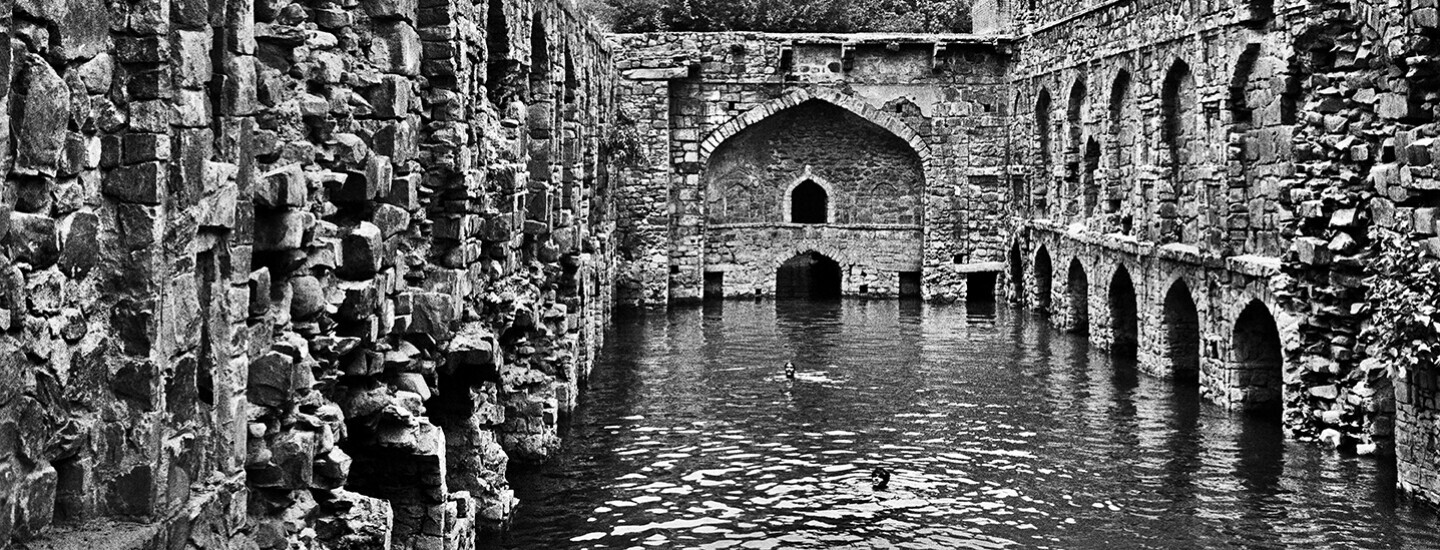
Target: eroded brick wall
pixel 282 272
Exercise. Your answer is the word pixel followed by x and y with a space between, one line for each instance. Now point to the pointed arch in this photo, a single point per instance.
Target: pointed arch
pixel 1181 324
pixel 500 63
pixel 1258 359
pixel 809 202
pixel 808 275
pixel 1043 274
pixel 1042 127
pixel 1122 131
pixel 541 67
pixel 1237 102
pixel 1177 108
pixel 1090 185
pixel 792 99
pixel 1124 315
pixel 1077 290
pixel 1017 272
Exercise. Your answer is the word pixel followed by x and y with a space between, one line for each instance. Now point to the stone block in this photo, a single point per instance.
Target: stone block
pixel 404 192
pixel 350 150
pixel 35 503
pixel 308 297
pixel 142 183
pixel 392 97
pixel 238 93
pixel 430 313
pixel 153 116
pixel 33 239
pixel 361 252
pixel 331 470
pixel 293 452
pixel 239 26
pixel 80 28
pixel 80 233
pixel 217 206
pixel 282 231
pixel 272 380
pixel 191 62
pixel 396 48
pixel 398 140
pixel 139 147
pixel 472 353
pixel 283 187
pixel 39 127
pixel 259 293
pixel 190 14
pixel 390 9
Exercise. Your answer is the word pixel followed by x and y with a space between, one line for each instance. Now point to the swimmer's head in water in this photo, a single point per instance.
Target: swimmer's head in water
pixel 789 369
pixel 880 479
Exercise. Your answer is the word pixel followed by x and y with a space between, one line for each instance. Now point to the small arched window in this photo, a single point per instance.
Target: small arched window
pixel 809 203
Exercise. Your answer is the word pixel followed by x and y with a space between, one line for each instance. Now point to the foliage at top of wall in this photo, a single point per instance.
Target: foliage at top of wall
pixel 634 16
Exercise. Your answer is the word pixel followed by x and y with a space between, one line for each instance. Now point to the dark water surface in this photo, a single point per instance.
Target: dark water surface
pixel 1000 432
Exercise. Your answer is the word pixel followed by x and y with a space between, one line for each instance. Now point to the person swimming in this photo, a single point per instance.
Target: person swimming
pixel 789 370
pixel 879 479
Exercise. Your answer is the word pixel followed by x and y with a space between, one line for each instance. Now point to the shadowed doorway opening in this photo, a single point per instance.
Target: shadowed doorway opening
pixel 809 203
pixel 808 276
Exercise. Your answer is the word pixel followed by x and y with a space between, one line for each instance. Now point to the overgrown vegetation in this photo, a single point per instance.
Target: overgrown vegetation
pixel 1404 302
pixel 622 142
pixel 634 16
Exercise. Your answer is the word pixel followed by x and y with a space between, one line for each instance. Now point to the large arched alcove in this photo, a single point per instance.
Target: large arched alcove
pixel 1124 317
pixel 1043 272
pixel 1258 359
pixel 1177 107
pixel 1077 290
pixel 871 175
pixel 808 275
pixel 1181 328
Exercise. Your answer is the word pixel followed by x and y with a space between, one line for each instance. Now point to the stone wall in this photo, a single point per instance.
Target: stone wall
pixel 701 100
pixel 1269 155
pixel 285 273
pixel 870 256
pixel 869 174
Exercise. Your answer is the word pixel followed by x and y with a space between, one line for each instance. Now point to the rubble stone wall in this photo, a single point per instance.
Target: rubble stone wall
pixel 292 272
pixel 1273 156
pixel 711 108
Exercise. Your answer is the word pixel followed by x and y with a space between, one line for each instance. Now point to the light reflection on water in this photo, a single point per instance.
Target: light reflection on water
pixel 999 432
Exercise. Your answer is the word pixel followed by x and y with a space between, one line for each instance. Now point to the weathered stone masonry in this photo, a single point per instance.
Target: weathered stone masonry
pixel 1206 183
pixel 904 133
pixel 292 273
pixel 1206 179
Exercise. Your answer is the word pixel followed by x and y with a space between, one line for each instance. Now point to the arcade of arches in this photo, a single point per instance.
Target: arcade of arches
pixel 280 270
pixel 1176 182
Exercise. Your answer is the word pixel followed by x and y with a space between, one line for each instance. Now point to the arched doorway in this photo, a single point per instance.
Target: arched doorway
pixel 1017 273
pixel 808 275
pixel 1042 280
pixel 1077 289
pixel 809 203
pixel 1124 319
pixel 1258 360
pixel 1182 334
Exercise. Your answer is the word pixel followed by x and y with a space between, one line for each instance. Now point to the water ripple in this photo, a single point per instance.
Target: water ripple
pixel 998 433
